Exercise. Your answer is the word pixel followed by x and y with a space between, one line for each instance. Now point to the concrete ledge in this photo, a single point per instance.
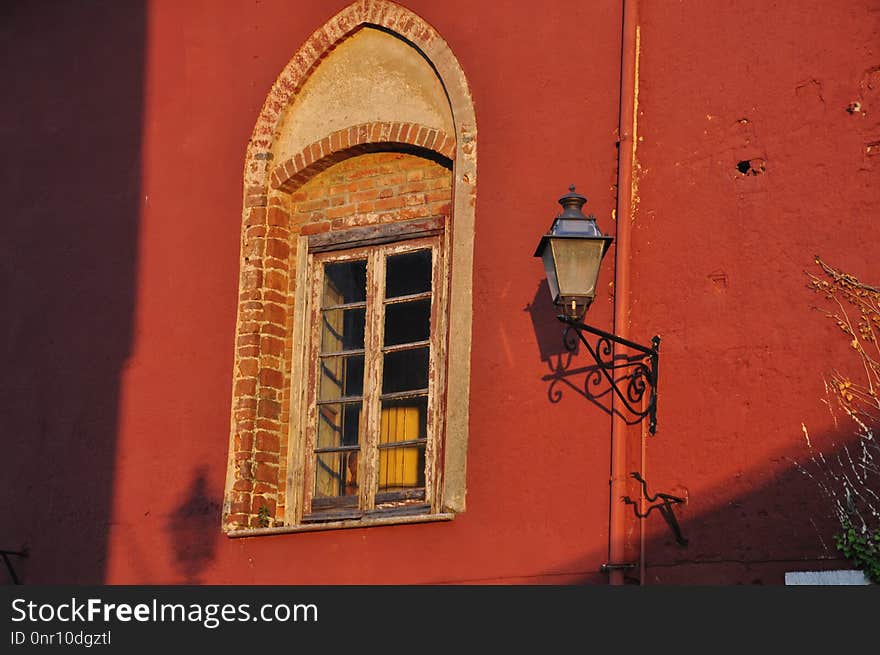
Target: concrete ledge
pixel 839 577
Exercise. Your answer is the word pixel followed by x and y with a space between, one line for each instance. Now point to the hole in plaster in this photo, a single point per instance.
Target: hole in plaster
pixel 751 166
pixel 719 279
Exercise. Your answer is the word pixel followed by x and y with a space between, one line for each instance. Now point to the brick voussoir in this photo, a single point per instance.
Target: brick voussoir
pixel 337 146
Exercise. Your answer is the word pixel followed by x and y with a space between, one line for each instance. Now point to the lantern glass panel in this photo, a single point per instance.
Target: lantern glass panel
pixel 577 266
pixel 550 270
pixel 575 227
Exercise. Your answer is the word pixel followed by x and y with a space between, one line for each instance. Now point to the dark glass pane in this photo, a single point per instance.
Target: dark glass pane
pixel 344 282
pixel 338 425
pixel 336 474
pixel 341 376
pixel 405 370
pixel 404 419
pixel 342 329
pixel 406 322
pixel 402 467
pixel 408 274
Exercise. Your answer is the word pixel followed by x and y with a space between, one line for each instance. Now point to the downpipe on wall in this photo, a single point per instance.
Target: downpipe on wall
pixel 625 165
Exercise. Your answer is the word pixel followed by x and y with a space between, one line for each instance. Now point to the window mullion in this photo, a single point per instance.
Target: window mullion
pixel 373 373
pixel 434 422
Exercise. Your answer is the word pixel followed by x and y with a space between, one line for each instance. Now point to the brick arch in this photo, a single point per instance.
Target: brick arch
pixel 261 395
pixel 358 139
pixel 378 13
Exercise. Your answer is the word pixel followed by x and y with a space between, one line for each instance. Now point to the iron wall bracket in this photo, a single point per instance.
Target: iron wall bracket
pixel 642 367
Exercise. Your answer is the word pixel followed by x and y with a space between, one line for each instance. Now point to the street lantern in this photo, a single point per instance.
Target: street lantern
pixel 572 252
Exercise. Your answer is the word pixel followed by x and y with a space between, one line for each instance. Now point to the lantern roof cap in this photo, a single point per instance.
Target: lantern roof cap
pixel 572 224
pixel 572 203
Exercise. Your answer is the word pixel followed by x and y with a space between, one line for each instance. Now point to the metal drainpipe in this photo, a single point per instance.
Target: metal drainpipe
pixel 626 158
pixel 643 501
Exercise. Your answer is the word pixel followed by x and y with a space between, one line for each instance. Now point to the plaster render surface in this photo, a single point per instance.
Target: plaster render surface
pixel 371 76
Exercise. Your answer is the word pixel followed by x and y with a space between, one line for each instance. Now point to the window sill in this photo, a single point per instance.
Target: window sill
pixel 337 525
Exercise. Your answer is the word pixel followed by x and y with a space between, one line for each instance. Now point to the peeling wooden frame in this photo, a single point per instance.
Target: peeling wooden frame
pixel 374 244
pixel 375 234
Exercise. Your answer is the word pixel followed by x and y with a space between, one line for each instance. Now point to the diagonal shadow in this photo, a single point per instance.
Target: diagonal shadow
pixel 71 119
pixel 751 530
pixel 747 530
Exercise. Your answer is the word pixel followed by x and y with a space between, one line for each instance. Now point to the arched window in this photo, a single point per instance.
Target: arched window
pixel 351 370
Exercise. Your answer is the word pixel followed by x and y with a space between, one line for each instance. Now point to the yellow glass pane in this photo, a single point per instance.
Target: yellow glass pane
pixel 400 467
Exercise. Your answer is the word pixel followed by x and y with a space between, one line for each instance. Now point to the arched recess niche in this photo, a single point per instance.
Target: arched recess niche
pixel 374 87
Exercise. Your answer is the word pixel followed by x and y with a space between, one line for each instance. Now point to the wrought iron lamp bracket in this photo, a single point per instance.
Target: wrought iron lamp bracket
pixel 642 373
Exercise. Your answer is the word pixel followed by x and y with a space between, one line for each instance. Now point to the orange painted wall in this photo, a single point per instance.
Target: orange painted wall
pixel 122 250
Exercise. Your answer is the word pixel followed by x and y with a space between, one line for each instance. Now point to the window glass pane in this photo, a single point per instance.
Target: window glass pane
pixel 338 425
pixel 341 376
pixel 402 467
pixel 405 370
pixel 344 282
pixel 406 322
pixel 342 329
pixel 336 474
pixel 408 273
pixel 404 419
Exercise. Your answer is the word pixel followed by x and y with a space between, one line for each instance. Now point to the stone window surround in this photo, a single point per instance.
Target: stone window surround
pixel 263 246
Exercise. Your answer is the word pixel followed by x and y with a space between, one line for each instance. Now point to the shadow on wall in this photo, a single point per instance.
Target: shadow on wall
pixel 192 529
pixel 71 123
pixel 748 530
pixel 547 328
pixel 570 367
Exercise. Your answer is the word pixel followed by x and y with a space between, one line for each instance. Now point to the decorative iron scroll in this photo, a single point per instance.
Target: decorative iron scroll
pixel 639 370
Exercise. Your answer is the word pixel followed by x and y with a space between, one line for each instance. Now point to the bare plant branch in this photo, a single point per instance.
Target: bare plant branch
pixel 852 482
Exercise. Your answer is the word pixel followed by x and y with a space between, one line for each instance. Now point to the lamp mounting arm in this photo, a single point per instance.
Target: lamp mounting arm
pixel 642 373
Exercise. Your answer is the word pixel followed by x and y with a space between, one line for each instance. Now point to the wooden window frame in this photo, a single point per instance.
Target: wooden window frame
pixel 375 244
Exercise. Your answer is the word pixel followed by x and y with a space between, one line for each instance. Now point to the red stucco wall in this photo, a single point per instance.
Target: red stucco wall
pixel 125 278
pixel 207 74
pixel 721 260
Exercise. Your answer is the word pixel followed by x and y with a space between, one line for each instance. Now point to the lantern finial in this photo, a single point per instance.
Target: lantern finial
pixel 572 202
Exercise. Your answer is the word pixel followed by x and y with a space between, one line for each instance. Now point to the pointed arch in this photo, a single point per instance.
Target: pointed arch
pixel 271 289
pixel 378 13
